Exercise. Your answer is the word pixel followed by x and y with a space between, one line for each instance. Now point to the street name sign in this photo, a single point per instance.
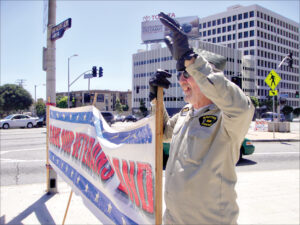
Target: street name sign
pixel 272 79
pixel 273 92
pixel 59 30
pixel 88 75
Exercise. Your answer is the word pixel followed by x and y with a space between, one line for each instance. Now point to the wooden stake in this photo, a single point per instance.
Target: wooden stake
pixel 95 99
pixel 67 209
pixel 47 147
pixel 158 155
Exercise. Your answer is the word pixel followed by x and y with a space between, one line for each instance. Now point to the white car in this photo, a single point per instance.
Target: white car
pixel 18 120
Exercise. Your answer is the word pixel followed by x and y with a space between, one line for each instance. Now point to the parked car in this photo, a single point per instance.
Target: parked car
pixel 247 148
pixel 18 120
pixel 268 116
pixel 119 118
pixel 130 118
pixel 41 121
pixel 109 117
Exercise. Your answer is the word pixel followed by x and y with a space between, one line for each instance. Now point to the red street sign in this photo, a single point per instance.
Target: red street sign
pixel 59 30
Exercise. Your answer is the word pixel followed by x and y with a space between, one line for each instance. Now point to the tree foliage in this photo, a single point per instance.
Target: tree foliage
pixel 143 108
pixel 296 111
pixel 40 108
pixel 287 109
pixel 254 101
pixel 14 98
pixel 62 102
pixel 119 106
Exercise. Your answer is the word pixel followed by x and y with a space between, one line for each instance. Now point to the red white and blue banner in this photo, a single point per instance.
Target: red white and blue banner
pixel 113 170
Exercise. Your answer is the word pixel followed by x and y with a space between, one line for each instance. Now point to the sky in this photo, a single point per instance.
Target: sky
pixel 103 33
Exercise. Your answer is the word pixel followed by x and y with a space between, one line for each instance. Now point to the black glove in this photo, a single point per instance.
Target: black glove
pixel 178 44
pixel 159 79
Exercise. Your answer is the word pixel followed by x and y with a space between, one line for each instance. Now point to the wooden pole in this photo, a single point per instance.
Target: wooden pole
pixel 158 155
pixel 95 99
pixel 67 209
pixel 47 147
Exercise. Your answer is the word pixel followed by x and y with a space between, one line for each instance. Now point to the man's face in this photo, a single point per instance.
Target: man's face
pixel 192 92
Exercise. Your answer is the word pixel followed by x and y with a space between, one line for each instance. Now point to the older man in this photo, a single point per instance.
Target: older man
pixel 206 137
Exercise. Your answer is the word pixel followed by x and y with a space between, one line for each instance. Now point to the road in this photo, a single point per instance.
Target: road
pixel 23 154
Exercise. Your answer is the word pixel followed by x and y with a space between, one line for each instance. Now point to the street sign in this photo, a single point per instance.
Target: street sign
pixel 273 92
pixel 272 79
pixel 88 75
pixel 284 95
pixel 59 30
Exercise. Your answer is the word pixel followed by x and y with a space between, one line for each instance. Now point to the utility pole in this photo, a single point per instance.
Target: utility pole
pixel 51 85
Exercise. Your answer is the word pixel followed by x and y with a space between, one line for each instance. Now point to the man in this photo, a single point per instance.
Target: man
pixel 206 137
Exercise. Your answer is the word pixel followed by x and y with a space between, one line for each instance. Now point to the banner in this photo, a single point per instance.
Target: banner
pixel 153 31
pixel 113 170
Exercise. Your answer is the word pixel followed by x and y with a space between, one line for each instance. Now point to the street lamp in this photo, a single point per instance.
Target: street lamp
pixel 35 90
pixel 69 78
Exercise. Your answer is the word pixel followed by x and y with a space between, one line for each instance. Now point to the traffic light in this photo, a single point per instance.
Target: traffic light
pixel 297 94
pixel 237 81
pixel 94 71
pixel 290 60
pixel 100 72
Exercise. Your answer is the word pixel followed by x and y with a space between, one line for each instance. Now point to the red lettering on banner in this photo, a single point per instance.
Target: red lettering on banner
pixel 130 181
pixel 87 156
pixel 76 146
pixel 67 138
pixel 95 152
pixel 84 145
pixel 54 136
pixel 145 171
pixel 106 173
pixel 122 186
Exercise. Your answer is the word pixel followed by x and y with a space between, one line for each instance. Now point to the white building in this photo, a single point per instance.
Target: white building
pixel 263 34
pixel 146 62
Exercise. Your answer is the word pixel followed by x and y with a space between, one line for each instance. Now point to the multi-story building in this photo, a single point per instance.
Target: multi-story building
pixel 145 64
pixel 265 35
pixel 106 99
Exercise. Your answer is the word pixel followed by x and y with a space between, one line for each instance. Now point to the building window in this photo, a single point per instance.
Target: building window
pixel 240 16
pixel 251 33
pixel 229 28
pixel 246 52
pixel 245 15
pixel 219 21
pixel 245 44
pixel 233 27
pixel 224 38
pixel 204 33
pixel 208 32
pixel 240 35
pixel 214 31
pixel 251 42
pixel 223 20
pixel 233 36
pixel 245 34
pixel 219 39
pixel 252 23
pixel 234 18
pixel 204 25
pixel 251 51
pixel 223 29
pixel 214 23
pixel 214 40
pixel 219 30
pixel 228 19
pixel 245 24
pixel 228 37
pixel 240 25
pixel 251 15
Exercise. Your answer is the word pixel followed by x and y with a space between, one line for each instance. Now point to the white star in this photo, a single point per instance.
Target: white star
pixel 109 208
pixel 70 116
pixel 57 115
pixel 62 165
pixel 66 168
pixel 64 116
pixel 97 197
pixel 72 173
pixel 84 117
pixel 86 188
pixel 77 117
pixel 78 179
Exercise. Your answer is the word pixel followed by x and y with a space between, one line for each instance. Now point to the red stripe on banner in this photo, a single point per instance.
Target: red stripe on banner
pixel 51 103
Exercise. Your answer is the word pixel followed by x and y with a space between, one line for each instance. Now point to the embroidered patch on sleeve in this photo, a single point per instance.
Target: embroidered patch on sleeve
pixel 207 120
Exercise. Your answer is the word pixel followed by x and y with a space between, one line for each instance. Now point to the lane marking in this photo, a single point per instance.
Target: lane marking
pixel 21 160
pixel 22 150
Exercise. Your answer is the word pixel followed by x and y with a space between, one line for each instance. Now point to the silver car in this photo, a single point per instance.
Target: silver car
pixel 18 120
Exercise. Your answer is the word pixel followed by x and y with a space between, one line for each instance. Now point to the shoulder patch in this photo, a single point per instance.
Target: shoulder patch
pixel 207 120
pixel 184 111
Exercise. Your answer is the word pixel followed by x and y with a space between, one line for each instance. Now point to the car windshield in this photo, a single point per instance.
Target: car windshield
pixel 9 117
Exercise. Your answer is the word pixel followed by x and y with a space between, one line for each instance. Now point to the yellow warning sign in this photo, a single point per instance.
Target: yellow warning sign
pixel 272 79
pixel 273 92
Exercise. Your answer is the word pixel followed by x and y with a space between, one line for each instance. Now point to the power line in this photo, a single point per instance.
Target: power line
pixel 20 82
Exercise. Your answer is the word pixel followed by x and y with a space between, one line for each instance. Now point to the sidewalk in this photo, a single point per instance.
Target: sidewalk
pixel 264 197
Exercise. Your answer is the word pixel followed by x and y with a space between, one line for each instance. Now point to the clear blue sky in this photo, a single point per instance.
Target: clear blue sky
pixel 103 33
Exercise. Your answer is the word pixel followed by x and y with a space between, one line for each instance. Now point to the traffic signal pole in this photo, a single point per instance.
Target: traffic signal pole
pixel 50 87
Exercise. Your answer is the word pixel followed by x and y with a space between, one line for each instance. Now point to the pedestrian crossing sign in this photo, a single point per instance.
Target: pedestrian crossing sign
pixel 273 92
pixel 272 79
